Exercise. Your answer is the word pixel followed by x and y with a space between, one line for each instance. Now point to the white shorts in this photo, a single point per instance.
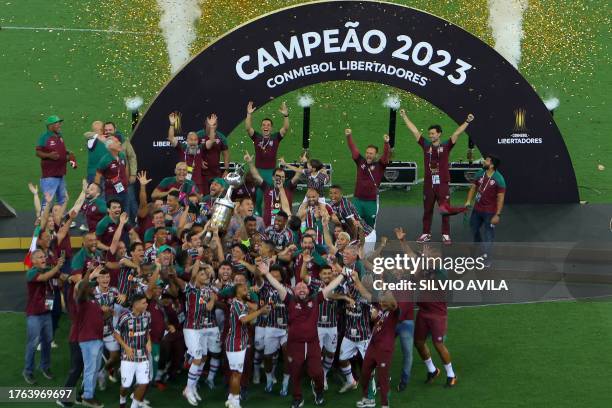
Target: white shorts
pixel 195 342
pixel 110 343
pixel 259 337
pixel 131 369
pixel 328 338
pixel 236 360
pixel 212 340
pixel 274 338
pixel 349 348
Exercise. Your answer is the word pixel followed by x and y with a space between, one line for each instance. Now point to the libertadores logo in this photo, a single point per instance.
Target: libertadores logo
pixel 520 133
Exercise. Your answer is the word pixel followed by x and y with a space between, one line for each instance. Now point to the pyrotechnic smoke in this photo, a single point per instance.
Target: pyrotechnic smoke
pixel 133 103
pixel 506 22
pixel 392 102
pixel 177 22
pixel 305 101
pixel 552 103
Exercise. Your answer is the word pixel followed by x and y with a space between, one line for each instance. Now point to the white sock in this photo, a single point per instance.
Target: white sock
pixel 214 367
pixel 193 376
pixel 328 361
pixel 135 404
pixel 122 399
pixel 430 365
pixel 449 370
pixel 348 374
pixel 286 380
pixel 270 377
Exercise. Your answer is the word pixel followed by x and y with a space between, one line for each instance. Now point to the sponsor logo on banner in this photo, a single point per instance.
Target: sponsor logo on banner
pixel 520 133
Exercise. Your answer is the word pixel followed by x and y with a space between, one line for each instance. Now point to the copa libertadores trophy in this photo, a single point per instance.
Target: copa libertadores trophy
pixel 223 208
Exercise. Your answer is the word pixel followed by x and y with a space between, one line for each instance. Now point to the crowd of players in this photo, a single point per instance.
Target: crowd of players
pixel 156 291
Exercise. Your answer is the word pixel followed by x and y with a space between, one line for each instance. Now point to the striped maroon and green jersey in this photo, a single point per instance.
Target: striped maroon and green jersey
pixel 278 311
pixel 315 223
pixel 328 308
pixel 357 317
pixel 125 283
pixel 134 330
pixel 345 210
pixel 237 335
pixel 281 239
pixel 108 298
pixel 197 317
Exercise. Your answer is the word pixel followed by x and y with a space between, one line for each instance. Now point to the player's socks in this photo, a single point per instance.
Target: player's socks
pixel 193 376
pixel 135 404
pixel 286 380
pixel 257 357
pixel 213 368
pixel 274 364
pixel 327 364
pixel 348 374
pixel 430 365
pixel 449 370
pixel 270 378
pixel 122 399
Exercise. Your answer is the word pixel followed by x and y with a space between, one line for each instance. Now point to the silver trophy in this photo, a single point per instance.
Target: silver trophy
pixel 223 208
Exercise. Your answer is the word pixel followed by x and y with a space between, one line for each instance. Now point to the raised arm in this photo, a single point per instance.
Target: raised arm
pixel 264 268
pixel 248 122
pixel 362 290
pixel 171 137
pixel 284 200
pixel 455 136
pixel 291 167
pixel 256 176
pixel 384 159
pixel 143 208
pixel 123 219
pixel 327 290
pixel 400 234
pixel 45 215
pixel 285 112
pixel 351 144
pixel 411 126
pixel 43 277
pixel 63 231
pixel 34 190
pixel 80 199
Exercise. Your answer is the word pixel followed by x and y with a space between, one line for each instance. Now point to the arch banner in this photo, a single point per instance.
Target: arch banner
pixel 376 42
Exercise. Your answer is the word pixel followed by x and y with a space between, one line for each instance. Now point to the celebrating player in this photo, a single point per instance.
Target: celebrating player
pixel 369 175
pixel 437 176
pixel 132 333
pixel 303 342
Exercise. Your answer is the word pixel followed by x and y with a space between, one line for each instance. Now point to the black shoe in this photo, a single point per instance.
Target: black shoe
pixel 319 399
pixel 297 403
pixel 432 376
pixel 47 374
pixel 29 378
pixel 450 382
pixel 402 386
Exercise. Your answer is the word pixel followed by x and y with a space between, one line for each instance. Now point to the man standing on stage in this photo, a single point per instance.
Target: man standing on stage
pixel 490 189
pixel 369 175
pixel 437 176
pixel 303 339
pixel 266 143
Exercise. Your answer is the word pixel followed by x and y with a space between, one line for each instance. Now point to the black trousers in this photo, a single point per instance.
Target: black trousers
pixel 76 365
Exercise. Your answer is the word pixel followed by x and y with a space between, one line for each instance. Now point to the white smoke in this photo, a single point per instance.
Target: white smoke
pixel 177 22
pixel 305 101
pixel 392 102
pixel 506 22
pixel 133 103
pixel 552 103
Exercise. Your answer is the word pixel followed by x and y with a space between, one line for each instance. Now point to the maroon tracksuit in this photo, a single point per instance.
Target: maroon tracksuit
pixel 437 178
pixel 380 353
pixel 303 341
pixel 368 176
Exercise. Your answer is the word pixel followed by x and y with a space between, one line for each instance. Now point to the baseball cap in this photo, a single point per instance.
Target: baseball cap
pixel 164 248
pixel 53 119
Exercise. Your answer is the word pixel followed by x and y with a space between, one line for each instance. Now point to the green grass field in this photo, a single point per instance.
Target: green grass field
pixel 85 76
pixel 532 355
